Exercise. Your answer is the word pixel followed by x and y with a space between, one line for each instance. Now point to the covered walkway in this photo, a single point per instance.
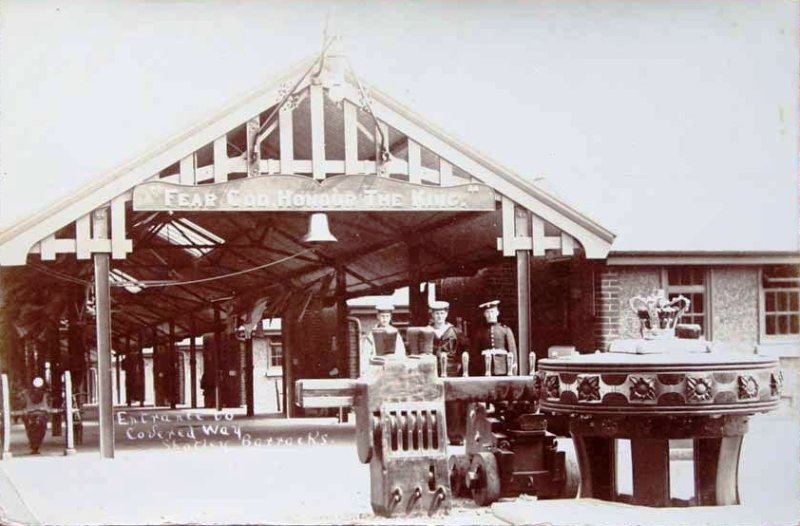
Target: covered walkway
pixel 227 224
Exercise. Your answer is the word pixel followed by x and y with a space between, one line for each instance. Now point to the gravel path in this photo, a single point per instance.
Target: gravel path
pixel 246 478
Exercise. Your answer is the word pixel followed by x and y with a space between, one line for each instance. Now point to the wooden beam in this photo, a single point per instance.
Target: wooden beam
pixel 192 362
pixel 414 162
pixel 416 300
pixel 172 370
pixel 537 233
pixel 187 170
pixel 252 156
pixel 595 239
pixel 508 227
pixel 364 130
pixel 102 294
pixel 523 310
pixel 567 244
pixel 83 233
pixel 446 173
pixel 48 248
pixel 120 246
pixel 285 119
pixel 23 236
pixel 351 164
pixel 317 131
pixel 221 159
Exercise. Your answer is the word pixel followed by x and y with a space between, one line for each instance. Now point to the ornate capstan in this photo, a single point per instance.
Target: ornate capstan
pixel 659 315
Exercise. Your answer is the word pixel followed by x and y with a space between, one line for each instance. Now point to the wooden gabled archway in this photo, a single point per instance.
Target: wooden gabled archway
pixel 291 127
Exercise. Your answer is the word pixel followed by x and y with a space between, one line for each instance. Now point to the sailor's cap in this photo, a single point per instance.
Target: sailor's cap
pixel 489 304
pixel 439 305
pixel 384 307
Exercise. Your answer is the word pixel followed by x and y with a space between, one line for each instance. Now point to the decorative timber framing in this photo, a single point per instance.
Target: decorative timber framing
pixel 532 220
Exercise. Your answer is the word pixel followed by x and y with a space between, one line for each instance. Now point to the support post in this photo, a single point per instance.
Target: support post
pixel 69 448
pixel 75 344
pixel 524 310
pixel 248 375
pixel 288 330
pixel 416 299
pixel 342 326
pixel 102 294
pixel 128 377
pixel 141 377
pixel 6 453
pixel 156 362
pixel 342 331
pixel 172 370
pixel 55 374
pixel 193 365
pixel 217 356
pixel 118 367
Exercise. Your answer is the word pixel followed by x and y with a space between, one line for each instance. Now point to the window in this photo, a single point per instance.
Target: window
pixel 275 354
pixel 689 282
pixel 195 239
pixel 780 287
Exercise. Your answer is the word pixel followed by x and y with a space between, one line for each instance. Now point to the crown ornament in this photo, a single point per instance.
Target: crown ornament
pixel 658 315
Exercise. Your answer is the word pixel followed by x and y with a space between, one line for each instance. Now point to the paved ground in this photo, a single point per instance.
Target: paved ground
pixel 273 471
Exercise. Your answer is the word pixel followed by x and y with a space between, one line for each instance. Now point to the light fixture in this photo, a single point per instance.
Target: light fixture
pixel 318 231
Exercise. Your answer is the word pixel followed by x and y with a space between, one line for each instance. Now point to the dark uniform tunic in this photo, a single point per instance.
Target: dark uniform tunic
pixel 491 336
pixel 452 343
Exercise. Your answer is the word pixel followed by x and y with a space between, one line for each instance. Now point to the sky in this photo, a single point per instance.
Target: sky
pixel 673 124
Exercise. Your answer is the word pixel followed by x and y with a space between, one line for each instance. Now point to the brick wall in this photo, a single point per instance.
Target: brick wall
pixel 607 306
pixel 497 282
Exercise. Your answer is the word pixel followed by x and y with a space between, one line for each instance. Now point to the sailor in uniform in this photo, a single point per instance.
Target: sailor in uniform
pixel 384 330
pixel 448 346
pixel 493 335
pixel 448 341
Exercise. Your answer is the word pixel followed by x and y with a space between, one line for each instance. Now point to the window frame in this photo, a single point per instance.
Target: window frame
pixel 704 289
pixel 762 315
pixel 274 370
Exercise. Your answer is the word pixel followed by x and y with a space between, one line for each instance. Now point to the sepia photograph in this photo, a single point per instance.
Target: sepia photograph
pixel 523 262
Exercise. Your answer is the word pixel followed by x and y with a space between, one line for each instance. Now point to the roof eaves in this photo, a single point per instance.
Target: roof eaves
pixel 111 179
pixel 504 172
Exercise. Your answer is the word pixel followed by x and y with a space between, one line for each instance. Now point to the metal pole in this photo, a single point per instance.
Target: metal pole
pixel 248 375
pixel 193 365
pixel 416 300
pixel 288 329
pixel 141 386
pixel 217 356
pixel 6 418
pixel 102 294
pixel 56 368
pixel 70 444
pixel 156 358
pixel 524 312
pixel 118 367
pixel 128 362
pixel 172 370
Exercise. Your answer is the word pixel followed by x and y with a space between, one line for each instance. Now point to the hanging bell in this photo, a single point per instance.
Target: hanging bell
pixel 318 231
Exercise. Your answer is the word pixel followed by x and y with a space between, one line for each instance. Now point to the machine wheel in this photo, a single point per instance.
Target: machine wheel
pixel 483 479
pixel 459 465
pixel 573 477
